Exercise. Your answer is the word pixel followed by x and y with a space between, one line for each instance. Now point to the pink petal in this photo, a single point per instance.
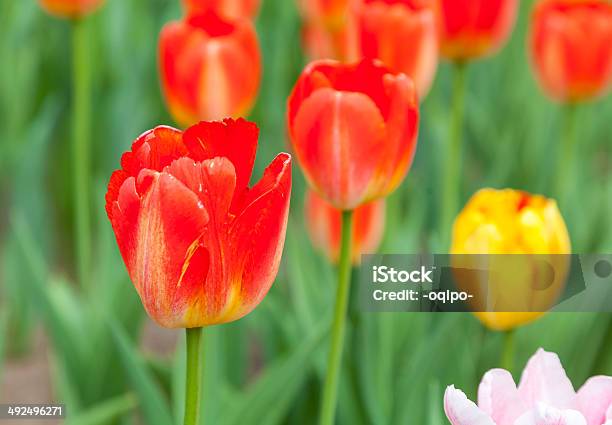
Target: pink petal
pixel 461 411
pixel 499 398
pixel 594 398
pixel 544 380
pixel 547 415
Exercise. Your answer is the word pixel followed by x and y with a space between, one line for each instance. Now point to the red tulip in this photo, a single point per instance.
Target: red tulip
pixel 319 43
pixel 70 8
pixel 403 34
pixel 470 29
pixel 210 67
pixel 324 225
pixel 353 129
pixel 200 246
pixel 571 48
pixel 232 9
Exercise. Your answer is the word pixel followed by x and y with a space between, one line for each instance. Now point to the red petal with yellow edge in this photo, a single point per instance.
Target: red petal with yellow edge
pixel 185 233
pixel 154 233
pixel 257 237
pixel 214 182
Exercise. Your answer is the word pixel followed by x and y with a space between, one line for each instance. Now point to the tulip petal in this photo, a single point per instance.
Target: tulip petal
pixel 156 235
pixel 543 414
pixel 180 60
pixel 402 130
pixel 544 380
pixel 499 397
pixel 461 411
pixel 366 78
pixel 257 237
pixel 341 135
pixel 154 149
pixel 210 67
pixel 213 181
pixel 403 37
pixel 233 139
pixel 595 398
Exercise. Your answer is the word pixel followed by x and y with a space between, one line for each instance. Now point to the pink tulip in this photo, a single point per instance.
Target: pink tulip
pixel 545 396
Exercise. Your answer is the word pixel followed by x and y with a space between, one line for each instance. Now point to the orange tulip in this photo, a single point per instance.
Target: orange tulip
pixel 210 67
pixel 470 29
pixel 331 13
pixel 571 48
pixel 353 129
pixel 232 9
pixel 403 34
pixel 70 8
pixel 320 43
pixel 200 245
pixel 324 225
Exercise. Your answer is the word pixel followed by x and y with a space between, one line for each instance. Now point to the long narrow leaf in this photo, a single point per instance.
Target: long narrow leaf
pixel 153 405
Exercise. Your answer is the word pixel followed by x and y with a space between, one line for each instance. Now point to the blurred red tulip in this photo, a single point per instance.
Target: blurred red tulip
pixel 470 29
pixel 353 129
pixel 330 13
pixel 341 45
pixel 70 8
pixel 571 48
pixel 403 34
pixel 232 9
pixel 324 225
pixel 200 246
pixel 210 67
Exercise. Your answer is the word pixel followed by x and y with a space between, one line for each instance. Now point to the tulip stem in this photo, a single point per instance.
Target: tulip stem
pixel 334 362
pixel 81 115
pixel 507 359
pixel 565 167
pixel 193 376
pixel 451 173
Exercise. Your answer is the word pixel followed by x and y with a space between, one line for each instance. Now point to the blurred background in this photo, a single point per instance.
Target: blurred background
pixel 96 351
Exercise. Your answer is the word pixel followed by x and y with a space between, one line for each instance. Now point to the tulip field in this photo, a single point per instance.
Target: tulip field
pixel 187 188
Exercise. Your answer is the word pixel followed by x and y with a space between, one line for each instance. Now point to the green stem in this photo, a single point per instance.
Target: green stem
pixel 566 165
pixel 334 362
pixel 507 359
pixel 451 184
pixel 193 377
pixel 81 107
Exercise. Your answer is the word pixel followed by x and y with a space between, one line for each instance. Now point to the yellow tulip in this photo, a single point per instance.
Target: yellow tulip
pixel 511 222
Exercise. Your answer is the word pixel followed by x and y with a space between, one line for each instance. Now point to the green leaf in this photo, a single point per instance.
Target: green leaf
pixel 3 331
pixel 105 412
pixel 152 403
pixel 268 400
